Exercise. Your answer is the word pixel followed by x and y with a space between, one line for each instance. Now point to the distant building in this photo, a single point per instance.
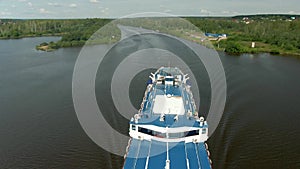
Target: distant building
pixel 246 20
pixel 215 35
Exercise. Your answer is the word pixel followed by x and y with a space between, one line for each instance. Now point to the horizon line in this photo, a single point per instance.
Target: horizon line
pixel 183 16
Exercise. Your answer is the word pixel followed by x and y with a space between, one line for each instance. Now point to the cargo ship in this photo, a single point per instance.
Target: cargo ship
pixel 167 132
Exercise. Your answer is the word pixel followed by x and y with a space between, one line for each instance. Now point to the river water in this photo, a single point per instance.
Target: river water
pixel 39 127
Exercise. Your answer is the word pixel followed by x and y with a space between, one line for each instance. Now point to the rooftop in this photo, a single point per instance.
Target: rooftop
pixel 168 105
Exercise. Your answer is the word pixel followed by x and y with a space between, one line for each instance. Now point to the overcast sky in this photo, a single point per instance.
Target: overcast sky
pixel 120 8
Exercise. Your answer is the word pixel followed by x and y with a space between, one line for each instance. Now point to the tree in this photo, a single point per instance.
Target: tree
pixel 233 47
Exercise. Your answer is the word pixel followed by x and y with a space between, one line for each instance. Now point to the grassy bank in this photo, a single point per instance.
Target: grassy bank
pixel 276 34
pixel 239 47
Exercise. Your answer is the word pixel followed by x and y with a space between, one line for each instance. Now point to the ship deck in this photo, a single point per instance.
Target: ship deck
pixel 156 102
pixel 167 132
pixel 153 154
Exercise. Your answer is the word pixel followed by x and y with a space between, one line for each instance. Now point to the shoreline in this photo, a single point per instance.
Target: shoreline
pixel 50 48
pixel 260 34
pixel 282 53
pixel 32 36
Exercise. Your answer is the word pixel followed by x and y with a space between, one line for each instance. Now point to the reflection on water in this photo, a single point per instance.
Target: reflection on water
pixel 39 128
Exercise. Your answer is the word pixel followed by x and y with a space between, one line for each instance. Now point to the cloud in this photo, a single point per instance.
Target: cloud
pixel 5 13
pixel 43 11
pixel 164 9
pixel 208 12
pixel 29 4
pixel 204 11
pixel 94 1
pixel 229 13
pixel 22 0
pixel 225 12
pixel 167 10
pixel 293 12
pixel 105 11
pixel 53 4
pixel 73 5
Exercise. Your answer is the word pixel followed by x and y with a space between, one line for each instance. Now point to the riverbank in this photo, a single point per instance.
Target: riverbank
pixel 275 34
pixel 242 47
pixel 32 36
pixel 51 46
pixel 231 47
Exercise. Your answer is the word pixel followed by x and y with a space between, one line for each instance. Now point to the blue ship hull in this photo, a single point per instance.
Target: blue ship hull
pixel 167 133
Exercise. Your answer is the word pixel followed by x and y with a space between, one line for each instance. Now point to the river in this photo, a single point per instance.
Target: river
pixel 39 127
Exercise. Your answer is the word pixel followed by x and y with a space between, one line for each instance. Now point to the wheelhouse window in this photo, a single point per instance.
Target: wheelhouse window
pixel 176 135
pixel 169 79
pixel 170 135
pixel 151 132
pixel 192 133
pixel 133 127
pixel 145 131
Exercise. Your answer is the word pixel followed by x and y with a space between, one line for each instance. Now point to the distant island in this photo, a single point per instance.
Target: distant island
pixel 276 34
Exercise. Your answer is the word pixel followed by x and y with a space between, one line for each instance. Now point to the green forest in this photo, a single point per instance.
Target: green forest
pixel 276 34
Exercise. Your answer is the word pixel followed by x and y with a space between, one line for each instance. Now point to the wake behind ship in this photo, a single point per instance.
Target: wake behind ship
pixel 167 132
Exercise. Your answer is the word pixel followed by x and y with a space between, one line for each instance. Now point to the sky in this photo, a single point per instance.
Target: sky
pixel 54 9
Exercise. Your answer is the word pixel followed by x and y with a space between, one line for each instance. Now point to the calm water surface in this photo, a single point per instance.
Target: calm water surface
pixel 39 127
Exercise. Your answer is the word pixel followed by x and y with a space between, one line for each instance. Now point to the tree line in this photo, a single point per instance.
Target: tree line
pixel 277 34
pixel 272 33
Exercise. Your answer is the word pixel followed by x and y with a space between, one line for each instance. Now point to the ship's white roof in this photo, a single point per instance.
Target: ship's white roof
pixel 168 105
